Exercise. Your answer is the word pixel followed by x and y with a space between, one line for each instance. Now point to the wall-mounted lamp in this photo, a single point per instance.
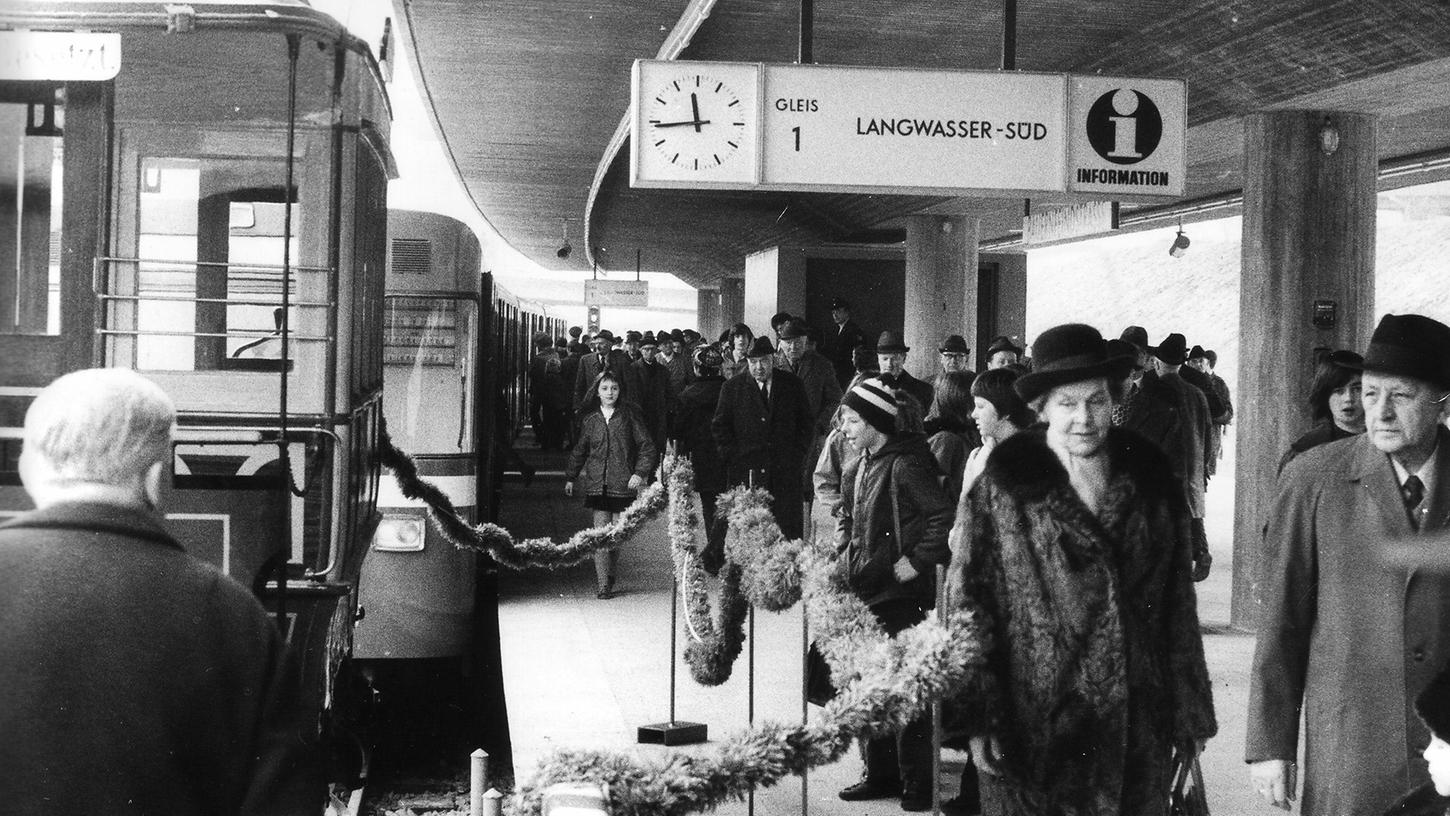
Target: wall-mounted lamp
pixel 566 248
pixel 1328 137
pixel 1180 243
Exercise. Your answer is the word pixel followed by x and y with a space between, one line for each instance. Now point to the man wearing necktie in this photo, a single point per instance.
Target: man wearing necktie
pixel 762 428
pixel 1346 633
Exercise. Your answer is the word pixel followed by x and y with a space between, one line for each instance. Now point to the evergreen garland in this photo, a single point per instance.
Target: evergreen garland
pixel 499 543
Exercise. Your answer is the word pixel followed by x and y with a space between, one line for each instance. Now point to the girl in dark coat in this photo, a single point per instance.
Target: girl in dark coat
pixel 1077 558
pixel 613 458
pixel 1334 401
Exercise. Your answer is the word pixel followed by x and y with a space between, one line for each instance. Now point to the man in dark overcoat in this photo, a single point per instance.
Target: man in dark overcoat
pixel 690 430
pixel 1345 637
pixel 891 353
pixel 655 398
pixel 134 678
pixel 763 428
pixel 823 393
pixel 841 339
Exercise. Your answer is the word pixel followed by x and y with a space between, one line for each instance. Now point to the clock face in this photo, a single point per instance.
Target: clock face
pixel 696 122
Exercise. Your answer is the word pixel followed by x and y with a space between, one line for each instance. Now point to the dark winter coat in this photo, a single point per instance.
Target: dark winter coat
pixel 839 345
pixel 136 679
pixel 766 441
pixel 1351 640
pixel 1422 801
pixel 1323 432
pixel 609 452
pixel 1174 416
pixel 691 431
pixel 655 399
pixel 1095 665
pixel 921 390
pixel 866 526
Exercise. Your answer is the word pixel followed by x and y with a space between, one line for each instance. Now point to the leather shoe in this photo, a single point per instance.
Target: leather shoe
pixel 961 806
pixel 867 789
pixel 916 801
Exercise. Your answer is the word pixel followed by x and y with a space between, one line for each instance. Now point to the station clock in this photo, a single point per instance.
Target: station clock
pixel 695 124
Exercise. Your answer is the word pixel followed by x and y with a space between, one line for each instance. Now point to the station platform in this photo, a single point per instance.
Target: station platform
pixel 586 673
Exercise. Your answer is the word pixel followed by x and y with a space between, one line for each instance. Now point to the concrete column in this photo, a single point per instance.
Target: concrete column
pixel 941 286
pixel 1309 235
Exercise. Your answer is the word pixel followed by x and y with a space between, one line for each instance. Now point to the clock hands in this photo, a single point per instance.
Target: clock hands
pixel 695 122
pixel 695 108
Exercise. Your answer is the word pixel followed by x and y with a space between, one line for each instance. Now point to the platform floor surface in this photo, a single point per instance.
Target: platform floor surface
pixel 586 673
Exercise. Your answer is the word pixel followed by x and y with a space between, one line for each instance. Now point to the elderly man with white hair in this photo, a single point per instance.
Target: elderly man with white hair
pixel 134 678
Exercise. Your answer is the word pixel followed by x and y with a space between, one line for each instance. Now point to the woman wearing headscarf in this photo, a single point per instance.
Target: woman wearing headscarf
pixel 1076 558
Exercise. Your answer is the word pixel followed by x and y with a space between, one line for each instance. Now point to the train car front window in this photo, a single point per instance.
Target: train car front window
pixel 31 175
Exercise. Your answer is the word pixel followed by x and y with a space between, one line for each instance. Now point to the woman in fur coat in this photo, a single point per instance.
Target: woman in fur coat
pixel 1077 558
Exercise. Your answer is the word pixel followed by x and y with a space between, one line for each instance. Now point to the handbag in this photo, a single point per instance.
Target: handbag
pixel 1187 797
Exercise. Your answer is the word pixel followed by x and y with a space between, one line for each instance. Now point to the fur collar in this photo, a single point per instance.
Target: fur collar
pixel 1025 466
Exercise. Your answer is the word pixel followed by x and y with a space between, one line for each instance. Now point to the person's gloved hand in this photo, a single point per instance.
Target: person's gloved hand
pixel 1202 563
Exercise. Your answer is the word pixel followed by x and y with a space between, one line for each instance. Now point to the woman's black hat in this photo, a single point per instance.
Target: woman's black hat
pixel 1069 353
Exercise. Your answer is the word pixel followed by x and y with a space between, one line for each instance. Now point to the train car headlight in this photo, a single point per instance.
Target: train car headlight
pixel 398 533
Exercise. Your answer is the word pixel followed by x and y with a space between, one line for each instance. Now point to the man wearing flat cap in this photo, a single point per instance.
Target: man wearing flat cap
pixel 1344 637
pixel 823 393
pixel 841 340
pixel 891 353
pixel 763 428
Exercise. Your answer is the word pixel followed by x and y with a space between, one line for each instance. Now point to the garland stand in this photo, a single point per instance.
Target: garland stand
pixel 673 732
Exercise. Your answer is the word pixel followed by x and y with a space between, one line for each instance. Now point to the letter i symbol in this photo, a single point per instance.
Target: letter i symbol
pixel 1125 125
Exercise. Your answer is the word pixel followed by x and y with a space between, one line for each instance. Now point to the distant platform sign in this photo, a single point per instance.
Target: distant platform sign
pixel 752 126
pixel 1051 224
pixel 616 293
pixel 59 56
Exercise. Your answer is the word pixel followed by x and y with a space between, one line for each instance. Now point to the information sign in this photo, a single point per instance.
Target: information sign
pixel 59 56
pixel 1128 137
pixel 616 293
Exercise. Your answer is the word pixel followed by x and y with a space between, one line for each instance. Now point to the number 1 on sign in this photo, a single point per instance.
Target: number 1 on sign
pixel 797 131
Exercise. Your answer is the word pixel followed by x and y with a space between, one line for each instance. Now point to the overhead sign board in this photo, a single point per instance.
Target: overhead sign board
pixel 616 293
pixel 862 129
pixel 59 56
pixel 1050 224
pixel 753 126
pixel 1128 137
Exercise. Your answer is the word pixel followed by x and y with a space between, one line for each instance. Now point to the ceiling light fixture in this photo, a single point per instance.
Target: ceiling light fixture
pixel 566 248
pixel 1180 243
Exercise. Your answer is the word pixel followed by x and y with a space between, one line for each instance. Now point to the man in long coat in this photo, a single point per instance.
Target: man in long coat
pixel 763 428
pixel 1343 634
pixel 823 393
pixel 841 340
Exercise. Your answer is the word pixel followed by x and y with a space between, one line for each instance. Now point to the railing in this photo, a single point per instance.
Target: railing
pixel 254 280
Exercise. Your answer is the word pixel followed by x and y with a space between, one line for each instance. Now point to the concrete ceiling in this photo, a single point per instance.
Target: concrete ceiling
pixel 531 98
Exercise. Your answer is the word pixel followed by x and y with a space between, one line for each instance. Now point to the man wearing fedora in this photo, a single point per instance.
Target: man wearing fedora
pixel 1345 637
pixel 1174 416
pixel 1003 352
pixel 891 353
pixel 954 354
pixel 763 427
pixel 841 340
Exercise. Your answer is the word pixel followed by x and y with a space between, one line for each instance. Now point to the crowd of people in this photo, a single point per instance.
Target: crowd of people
pixel 1061 496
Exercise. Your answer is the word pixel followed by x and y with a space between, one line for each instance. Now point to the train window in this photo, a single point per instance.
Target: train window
pixel 31 174
pixel 211 244
pixel 428 345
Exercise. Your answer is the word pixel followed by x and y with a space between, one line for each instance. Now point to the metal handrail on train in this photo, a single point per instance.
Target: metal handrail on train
pixel 102 263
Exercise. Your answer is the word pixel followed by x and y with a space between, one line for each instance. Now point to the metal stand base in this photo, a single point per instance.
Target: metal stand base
pixel 673 733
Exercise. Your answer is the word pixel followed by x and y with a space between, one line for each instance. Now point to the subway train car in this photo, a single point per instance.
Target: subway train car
pixel 198 192
pixel 455 351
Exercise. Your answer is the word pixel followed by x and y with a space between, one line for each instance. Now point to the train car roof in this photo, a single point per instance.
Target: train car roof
pixel 281 16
